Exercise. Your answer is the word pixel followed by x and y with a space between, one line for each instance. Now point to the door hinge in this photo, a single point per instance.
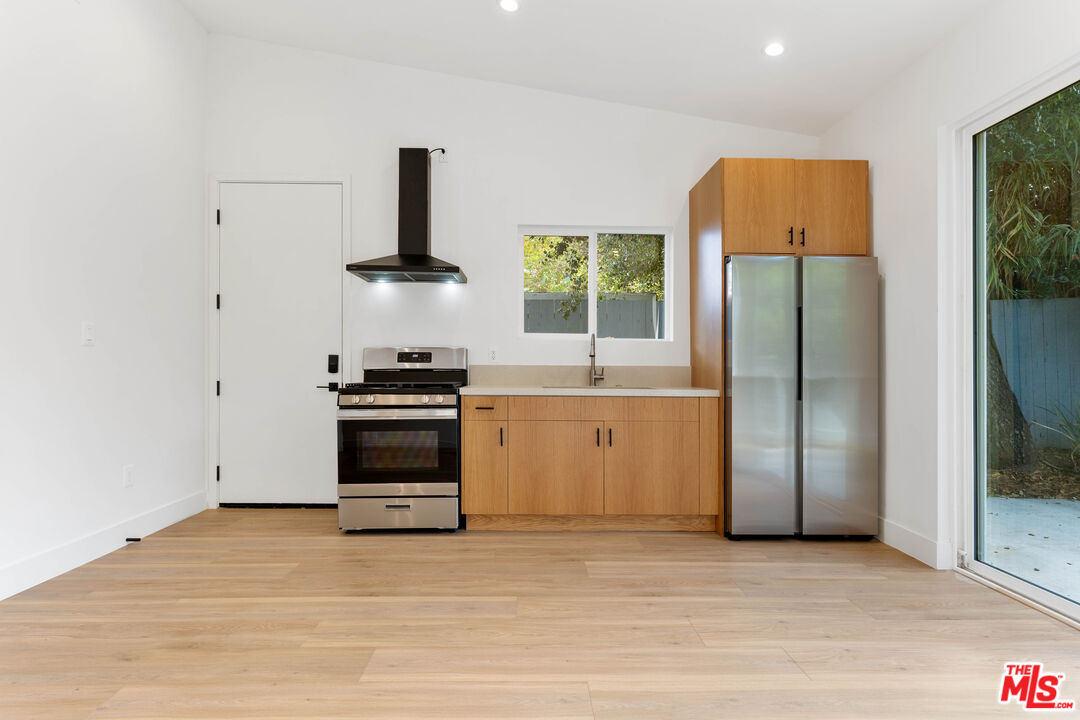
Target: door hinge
pixel 218 301
pixel 219 216
pixel 218 474
pixel 218 388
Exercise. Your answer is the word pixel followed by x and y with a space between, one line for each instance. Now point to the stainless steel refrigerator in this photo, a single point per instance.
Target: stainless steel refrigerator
pixel 802 396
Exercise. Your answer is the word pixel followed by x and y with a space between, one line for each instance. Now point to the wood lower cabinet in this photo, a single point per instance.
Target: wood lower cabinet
pixel 484 462
pixel 555 468
pixel 590 456
pixel 651 468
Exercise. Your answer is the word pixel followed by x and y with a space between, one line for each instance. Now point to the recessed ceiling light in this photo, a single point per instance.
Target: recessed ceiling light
pixel 772 49
pixel 509 5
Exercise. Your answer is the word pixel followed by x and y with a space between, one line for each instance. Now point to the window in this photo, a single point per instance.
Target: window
pixel 556 283
pixel 1027 300
pixel 611 283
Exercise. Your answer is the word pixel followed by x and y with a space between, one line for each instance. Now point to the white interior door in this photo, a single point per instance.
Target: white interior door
pixel 280 318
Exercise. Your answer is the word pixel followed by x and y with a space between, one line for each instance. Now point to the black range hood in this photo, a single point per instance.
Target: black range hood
pixel 413 261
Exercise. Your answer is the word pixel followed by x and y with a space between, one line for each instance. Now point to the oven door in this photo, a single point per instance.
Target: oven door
pixel 388 452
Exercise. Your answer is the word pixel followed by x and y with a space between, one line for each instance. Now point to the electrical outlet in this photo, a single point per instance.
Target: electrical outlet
pixel 127 474
pixel 88 334
pixel 493 355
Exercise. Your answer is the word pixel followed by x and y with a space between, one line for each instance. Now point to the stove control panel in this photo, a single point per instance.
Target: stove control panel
pixel 414 357
pixel 382 400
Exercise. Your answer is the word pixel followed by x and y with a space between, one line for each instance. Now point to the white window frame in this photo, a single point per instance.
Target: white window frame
pixel 956 343
pixel 592 232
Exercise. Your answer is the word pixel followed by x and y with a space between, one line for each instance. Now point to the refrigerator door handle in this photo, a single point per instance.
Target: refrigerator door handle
pixel 798 354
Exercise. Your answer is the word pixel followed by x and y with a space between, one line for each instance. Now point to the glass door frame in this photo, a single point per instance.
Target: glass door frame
pixel 960 328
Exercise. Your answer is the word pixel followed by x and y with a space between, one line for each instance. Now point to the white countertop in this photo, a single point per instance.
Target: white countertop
pixel 601 391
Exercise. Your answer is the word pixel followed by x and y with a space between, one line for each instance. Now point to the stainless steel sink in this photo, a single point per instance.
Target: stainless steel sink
pixel 597 387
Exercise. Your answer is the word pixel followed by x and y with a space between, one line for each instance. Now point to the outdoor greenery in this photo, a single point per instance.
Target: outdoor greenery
pixel 1033 200
pixel 630 264
pixel 558 264
pixel 1032 226
pixel 626 263
pixel 1069 428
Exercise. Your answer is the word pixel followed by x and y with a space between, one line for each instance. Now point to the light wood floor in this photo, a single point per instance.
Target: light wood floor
pixel 273 614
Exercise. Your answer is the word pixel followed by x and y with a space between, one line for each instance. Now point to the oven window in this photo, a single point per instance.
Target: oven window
pixel 399 449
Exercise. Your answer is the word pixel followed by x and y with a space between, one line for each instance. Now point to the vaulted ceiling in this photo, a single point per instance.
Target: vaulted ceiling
pixel 700 57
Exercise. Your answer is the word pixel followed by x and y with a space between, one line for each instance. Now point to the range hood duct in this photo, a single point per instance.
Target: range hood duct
pixel 413 261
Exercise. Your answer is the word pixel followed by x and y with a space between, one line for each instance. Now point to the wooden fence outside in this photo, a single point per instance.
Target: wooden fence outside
pixel 1039 343
pixel 626 315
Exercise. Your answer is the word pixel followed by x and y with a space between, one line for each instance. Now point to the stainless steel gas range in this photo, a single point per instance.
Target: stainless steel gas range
pixel 399 439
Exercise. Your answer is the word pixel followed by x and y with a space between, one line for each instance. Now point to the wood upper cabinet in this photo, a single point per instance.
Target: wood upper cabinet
pixel 779 207
pixel 832 207
pixel 556 468
pixel 651 468
pixel 758 205
pixel 484 466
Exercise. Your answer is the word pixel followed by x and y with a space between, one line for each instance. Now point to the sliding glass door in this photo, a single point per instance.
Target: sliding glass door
pixel 1027 285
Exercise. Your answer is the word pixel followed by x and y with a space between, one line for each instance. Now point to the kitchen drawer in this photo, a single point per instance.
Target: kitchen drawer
pixel 398 512
pixel 604 408
pixel 650 409
pixel 483 407
pixel 547 408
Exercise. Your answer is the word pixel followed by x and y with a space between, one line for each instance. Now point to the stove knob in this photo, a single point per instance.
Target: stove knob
pixel 355 399
pixel 438 398
pixel 425 400
pixel 370 399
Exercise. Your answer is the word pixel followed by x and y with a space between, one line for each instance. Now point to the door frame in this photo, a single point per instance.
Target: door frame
pixel 956 411
pixel 212 249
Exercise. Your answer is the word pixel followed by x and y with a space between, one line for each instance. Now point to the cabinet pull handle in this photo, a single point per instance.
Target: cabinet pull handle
pixel 802 236
pixel 597 437
pixel 500 437
pixel 791 235
pixel 609 437
pixel 484 407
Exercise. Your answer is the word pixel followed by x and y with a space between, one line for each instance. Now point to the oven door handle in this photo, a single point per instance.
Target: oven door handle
pixel 397 414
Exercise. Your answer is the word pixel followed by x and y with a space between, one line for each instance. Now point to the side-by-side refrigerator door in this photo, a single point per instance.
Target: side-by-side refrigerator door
pixel 760 407
pixel 839 396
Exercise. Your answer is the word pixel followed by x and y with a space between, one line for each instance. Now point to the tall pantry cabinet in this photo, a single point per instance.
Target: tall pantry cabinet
pixel 764 206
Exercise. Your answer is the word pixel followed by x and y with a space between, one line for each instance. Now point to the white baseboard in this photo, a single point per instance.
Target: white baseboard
pixel 26 573
pixel 926 550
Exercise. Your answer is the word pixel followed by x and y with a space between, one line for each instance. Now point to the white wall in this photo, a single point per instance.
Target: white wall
pixel 515 157
pixel 1004 47
pixel 101 207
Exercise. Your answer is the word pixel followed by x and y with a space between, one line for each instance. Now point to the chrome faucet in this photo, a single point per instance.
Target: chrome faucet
pixel 594 376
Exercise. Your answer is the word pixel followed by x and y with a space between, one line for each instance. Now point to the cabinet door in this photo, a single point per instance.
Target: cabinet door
pixel 556 468
pixel 832 207
pixel 651 468
pixel 759 205
pixel 483 467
